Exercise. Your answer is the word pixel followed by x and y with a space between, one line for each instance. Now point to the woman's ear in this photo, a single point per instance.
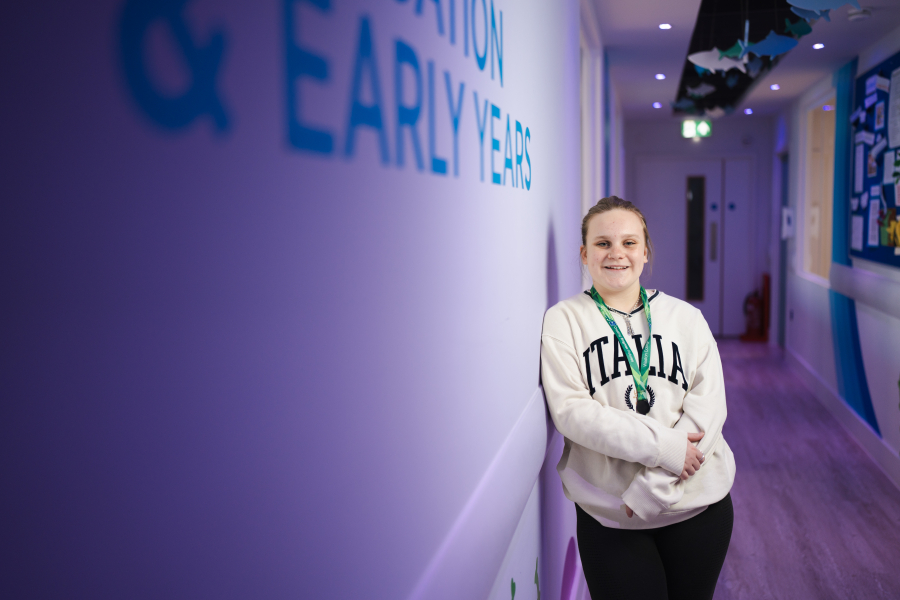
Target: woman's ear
pixel 583 255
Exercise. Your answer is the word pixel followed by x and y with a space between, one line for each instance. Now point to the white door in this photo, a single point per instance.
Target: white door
pixel 663 193
pixel 737 255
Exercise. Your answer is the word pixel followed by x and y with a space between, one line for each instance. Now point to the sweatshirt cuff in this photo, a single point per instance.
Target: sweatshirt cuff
pixel 641 501
pixel 672 450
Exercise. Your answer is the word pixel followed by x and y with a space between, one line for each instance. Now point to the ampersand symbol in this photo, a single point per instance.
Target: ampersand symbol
pixel 204 62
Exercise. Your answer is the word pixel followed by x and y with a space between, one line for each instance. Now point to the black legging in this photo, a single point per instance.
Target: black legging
pixel 675 562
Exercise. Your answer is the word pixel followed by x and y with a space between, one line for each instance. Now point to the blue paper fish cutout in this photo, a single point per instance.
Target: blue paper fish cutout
pixel 811 15
pixel 822 4
pixel 773 45
pixel 700 70
pixel 754 67
pixel 704 89
pixel 798 29
pixel 684 104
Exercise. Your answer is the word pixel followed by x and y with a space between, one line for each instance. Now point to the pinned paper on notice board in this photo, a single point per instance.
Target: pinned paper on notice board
pixel 888 176
pixel 871 84
pixel 865 137
pixel 874 237
pixel 878 148
pixel 858 170
pixel 875 191
pixel 870 100
pixel 883 84
pixel 864 200
pixel 856 232
pixel 872 165
pixel 879 116
pixel 857 115
pixel 893 116
pixel 854 203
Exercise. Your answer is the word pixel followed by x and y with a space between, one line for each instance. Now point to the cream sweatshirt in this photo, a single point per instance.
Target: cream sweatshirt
pixel 613 455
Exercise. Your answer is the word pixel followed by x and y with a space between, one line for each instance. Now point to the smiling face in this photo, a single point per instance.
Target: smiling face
pixel 615 254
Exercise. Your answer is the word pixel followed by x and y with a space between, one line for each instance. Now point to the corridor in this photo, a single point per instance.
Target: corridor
pixel 276 275
pixel 815 518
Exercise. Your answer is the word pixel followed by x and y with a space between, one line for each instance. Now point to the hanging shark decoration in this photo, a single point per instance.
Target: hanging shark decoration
pixel 822 4
pixel 713 60
pixel 773 45
pixel 798 29
pixel 737 51
pixel 811 15
pixel 754 67
pixel 704 89
pixel 732 48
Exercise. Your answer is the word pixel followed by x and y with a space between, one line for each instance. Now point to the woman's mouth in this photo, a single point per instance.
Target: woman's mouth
pixel 616 268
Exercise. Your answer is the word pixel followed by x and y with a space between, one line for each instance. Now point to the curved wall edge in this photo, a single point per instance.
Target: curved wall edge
pixel 869 288
pixel 486 524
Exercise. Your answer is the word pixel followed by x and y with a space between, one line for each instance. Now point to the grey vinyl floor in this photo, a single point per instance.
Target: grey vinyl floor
pixel 815 518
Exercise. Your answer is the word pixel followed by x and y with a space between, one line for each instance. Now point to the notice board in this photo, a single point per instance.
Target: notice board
pixel 875 169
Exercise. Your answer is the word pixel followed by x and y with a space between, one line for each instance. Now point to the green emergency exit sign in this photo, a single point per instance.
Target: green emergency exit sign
pixel 691 128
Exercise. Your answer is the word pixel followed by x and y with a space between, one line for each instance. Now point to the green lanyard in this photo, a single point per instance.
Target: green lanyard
pixel 640 375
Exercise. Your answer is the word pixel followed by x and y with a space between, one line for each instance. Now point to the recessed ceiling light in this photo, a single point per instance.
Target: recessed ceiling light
pixel 665 26
pixel 748 111
pixel 827 107
pixel 818 46
pixel 660 76
pixel 657 105
pixel 775 87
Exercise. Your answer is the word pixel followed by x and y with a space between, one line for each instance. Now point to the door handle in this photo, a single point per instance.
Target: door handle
pixel 713 239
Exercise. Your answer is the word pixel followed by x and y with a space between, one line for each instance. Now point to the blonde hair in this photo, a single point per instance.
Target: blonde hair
pixel 613 203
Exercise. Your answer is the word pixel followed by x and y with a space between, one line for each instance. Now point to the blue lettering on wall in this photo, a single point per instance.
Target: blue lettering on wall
pixel 466 26
pixel 438 165
pixel 299 63
pixel 202 97
pixel 481 121
pixel 495 143
pixel 364 64
pixel 496 44
pixel 407 116
pixel 453 22
pixel 455 112
pixel 480 57
pixel 437 10
pixel 365 106
pixel 517 175
pixel 507 155
pixel 527 159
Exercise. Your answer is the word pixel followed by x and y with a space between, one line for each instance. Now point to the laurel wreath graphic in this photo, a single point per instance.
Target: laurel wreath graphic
pixel 628 396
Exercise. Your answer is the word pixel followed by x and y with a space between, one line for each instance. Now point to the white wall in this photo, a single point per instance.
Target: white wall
pixel 240 368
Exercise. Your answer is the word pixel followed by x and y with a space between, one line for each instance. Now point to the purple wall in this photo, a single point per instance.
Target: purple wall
pixel 234 365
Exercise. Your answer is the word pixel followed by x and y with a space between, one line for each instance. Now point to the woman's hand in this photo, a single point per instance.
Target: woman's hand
pixel 693 458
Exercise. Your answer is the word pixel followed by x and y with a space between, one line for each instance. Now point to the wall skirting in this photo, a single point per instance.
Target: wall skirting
pixel 466 563
pixel 871 442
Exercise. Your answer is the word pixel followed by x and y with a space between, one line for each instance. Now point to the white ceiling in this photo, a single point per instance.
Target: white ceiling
pixel 638 49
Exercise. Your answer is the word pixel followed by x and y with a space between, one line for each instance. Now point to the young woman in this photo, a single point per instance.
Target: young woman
pixel 634 382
